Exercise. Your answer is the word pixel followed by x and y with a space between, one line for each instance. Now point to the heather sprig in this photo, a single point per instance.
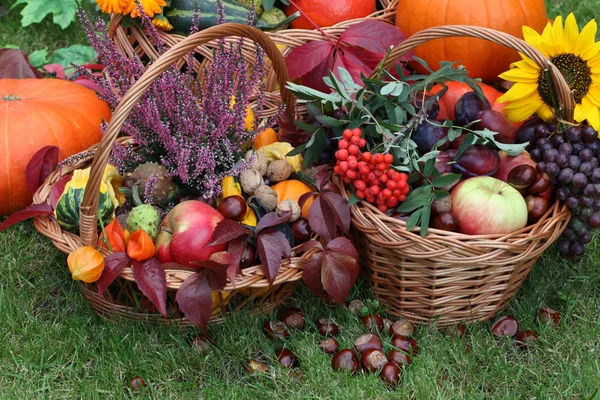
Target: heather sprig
pixel 194 127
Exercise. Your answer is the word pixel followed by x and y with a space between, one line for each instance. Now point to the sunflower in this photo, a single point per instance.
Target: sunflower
pixel 577 57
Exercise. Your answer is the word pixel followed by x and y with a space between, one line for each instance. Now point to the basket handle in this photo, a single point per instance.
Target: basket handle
pixel 89 204
pixel 565 98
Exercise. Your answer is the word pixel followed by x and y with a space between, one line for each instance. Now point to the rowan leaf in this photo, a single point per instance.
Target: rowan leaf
pixel 194 298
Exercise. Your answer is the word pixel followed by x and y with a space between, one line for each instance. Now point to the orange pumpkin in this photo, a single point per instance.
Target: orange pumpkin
pixel 265 137
pixel 292 189
pixel 482 59
pixel 86 264
pixel 40 112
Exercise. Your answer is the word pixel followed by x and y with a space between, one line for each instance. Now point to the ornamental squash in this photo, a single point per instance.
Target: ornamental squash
pixel 292 189
pixel 40 112
pixel 482 58
pixel 265 137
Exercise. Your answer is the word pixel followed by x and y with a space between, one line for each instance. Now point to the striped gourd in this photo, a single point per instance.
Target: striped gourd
pixel 67 209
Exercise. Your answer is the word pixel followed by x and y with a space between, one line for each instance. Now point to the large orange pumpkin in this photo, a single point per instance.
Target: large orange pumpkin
pixel 40 112
pixel 328 12
pixel 482 59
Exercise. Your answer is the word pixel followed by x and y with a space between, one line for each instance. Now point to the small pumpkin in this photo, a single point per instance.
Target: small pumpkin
pixel 483 59
pixel 265 137
pixel 37 113
pixel 292 189
pixel 86 264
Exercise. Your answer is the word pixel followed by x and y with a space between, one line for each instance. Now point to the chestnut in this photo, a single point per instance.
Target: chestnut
pixel 445 221
pixel 373 360
pixel 536 207
pixel 406 344
pixel 547 315
pixel 326 326
pixel 368 341
pixel 253 367
pixel 525 338
pixel 505 326
pixel 441 206
pixel 202 343
pixel 356 307
pixel 522 176
pixel 293 318
pixel 456 330
pixel 301 230
pixel 539 185
pixel 390 374
pixel 399 358
pixel 329 346
pixel 233 207
pixel 248 256
pixel 286 358
pixel 345 360
pixel 137 384
pixel 402 327
pixel 275 329
pixel 374 322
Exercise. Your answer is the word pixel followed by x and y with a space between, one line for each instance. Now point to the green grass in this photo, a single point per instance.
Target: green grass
pixel 53 346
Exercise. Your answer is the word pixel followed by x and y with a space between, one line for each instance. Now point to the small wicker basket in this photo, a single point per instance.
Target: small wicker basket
pixel 446 276
pixel 123 299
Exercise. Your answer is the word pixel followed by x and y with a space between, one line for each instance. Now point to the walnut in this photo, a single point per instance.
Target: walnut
pixel 267 197
pixel 256 160
pixel 289 205
pixel 250 179
pixel 279 170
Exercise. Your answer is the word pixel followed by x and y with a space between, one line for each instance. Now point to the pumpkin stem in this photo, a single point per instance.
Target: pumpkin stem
pixel 11 97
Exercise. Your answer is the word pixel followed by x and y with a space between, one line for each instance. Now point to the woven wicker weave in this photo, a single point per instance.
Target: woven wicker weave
pixel 122 300
pixel 452 277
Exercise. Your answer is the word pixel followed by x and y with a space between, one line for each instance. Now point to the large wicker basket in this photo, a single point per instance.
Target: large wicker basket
pixel 123 299
pixel 133 40
pixel 446 276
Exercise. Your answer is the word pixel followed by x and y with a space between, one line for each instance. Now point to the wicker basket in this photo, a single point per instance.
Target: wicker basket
pixel 123 299
pixel 448 276
pixel 134 41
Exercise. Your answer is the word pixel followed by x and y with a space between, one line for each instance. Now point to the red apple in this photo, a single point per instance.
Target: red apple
pixel 485 205
pixel 186 232
pixel 507 163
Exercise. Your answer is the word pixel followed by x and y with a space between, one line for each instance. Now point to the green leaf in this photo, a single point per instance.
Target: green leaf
pixel 347 80
pixel 467 141
pixel 329 122
pixel 413 201
pixel 268 4
pixel 306 93
pixel 512 149
pixel 429 167
pixel 429 156
pixel 39 58
pixel 314 148
pixel 414 219
pixel 440 194
pixel 454 133
pixel 314 108
pixel 36 10
pixel 425 215
pixel 445 180
pixel 77 54
pixel 306 127
pixel 353 200
pixel 297 150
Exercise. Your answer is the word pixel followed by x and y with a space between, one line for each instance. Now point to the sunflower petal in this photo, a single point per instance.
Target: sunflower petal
pixel 592 53
pixel 524 111
pixel 520 75
pixel 578 114
pixel 586 37
pixel 594 94
pixel 545 112
pixel 591 112
pixel 571 33
pixel 534 39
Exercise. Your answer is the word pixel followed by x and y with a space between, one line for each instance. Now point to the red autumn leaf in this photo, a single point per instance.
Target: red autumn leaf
pixel 341 210
pixel 113 265
pixel 342 245
pixel 58 188
pixel 152 281
pixel 312 274
pixel 34 210
pixel 14 64
pixel 363 59
pixel 83 81
pixel 194 298
pixel 56 69
pixel 226 231
pixel 322 219
pixel 272 246
pixel 323 176
pixel 236 249
pixel 43 162
pixel 311 244
pixel 272 219
pixel 308 57
pixel 374 36
pixel 340 268
pixel 216 269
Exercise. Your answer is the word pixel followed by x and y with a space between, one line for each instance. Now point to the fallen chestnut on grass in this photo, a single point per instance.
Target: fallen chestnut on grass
pixel 253 367
pixel 399 358
pixel 525 338
pixel 275 329
pixel 327 327
pixel 286 358
pixel 329 346
pixel 390 374
pixel 137 384
pixel 345 360
pixel 402 327
pixel 368 341
pixel 373 360
pixel 547 315
pixel 505 326
pixel 406 344
pixel 456 330
pixel 202 343
pixel 374 322
pixel 293 318
pixel 355 307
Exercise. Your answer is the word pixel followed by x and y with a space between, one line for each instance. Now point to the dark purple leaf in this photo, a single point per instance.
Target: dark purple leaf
pixel 151 279
pixel 362 60
pixel 314 79
pixel 272 219
pixel 302 60
pixel 14 64
pixel 323 176
pixel 194 298
pixel 58 188
pixel 338 274
pixel 341 61
pixel 89 84
pixel 226 231
pixel 305 197
pixel 272 246
pixel 34 210
pixel 216 269
pixel 113 265
pixel 322 219
pixel 374 36
pixel 342 245
pixel 43 162
pixel 341 210
pixel 236 249
pixel 312 274
pixel 56 69
pixel 311 244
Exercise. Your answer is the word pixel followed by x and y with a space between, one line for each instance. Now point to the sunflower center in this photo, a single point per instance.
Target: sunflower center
pixel 576 72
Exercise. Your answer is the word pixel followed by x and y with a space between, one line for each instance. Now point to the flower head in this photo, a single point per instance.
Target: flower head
pixel 113 6
pixel 162 23
pixel 151 7
pixel 577 57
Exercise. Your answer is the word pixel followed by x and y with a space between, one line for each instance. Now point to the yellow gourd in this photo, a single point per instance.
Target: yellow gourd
pixel 279 151
pixel 230 187
pixel 86 264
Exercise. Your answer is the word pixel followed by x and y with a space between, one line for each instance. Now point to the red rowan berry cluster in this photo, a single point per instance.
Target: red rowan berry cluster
pixel 370 174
